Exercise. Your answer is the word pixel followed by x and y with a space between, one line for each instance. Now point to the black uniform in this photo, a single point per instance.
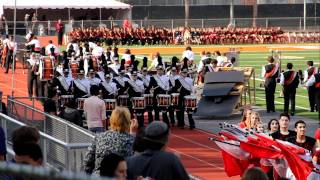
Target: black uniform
pixel 317 92
pixel 181 106
pixel 270 85
pixel 291 82
pixel 157 91
pixel 135 93
pixel 32 78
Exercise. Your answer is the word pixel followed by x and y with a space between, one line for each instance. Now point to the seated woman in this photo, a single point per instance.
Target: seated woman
pixel 273 126
pixel 245 122
pixel 118 139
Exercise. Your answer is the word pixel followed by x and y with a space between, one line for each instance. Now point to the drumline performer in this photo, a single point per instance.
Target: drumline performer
pixel 173 76
pixel 121 79
pixel 184 85
pixel 81 85
pixel 12 50
pixel 314 80
pixel 136 89
pixel 145 77
pixel 159 85
pixel 92 78
pixel 33 67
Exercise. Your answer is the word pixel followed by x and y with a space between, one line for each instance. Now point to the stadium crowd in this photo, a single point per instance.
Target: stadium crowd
pixel 200 36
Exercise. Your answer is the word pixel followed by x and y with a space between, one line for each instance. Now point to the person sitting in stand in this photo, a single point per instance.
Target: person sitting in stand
pixel 113 166
pixel 300 139
pixel 284 133
pixel 273 126
pixel 246 118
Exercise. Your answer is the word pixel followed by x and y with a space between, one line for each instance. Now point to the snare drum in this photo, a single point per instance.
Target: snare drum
pixel 110 104
pixel 138 103
pixel 148 99
pixel 123 100
pixel 190 102
pixel 164 100
pixel 175 99
pixel 66 98
pixel 80 103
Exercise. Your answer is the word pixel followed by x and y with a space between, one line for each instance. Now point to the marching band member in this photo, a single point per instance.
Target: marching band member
pixel 173 76
pixel 81 86
pixel 188 53
pixel 33 66
pixel 121 79
pixel 271 74
pixel 230 63
pixel 29 36
pixel 290 81
pixel 145 77
pixel 34 44
pixel 184 85
pixel 51 49
pixel 136 89
pixel 98 50
pixel 92 79
pixel 212 67
pixel 63 82
pixel 159 84
pixel 115 66
pixel 108 88
pixel 314 80
pixel 311 70
pixel 12 50
pixel 127 56
pixel 72 46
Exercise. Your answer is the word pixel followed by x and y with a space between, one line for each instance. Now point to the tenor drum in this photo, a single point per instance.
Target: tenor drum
pixel 66 99
pixel 138 103
pixel 47 69
pixel 164 100
pixel 175 99
pixel 190 102
pixel 110 104
pixel 123 100
pixel 74 69
pixel 80 103
pixel 148 99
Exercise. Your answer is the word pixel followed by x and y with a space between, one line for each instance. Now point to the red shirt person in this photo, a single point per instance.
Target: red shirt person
pixel 59 29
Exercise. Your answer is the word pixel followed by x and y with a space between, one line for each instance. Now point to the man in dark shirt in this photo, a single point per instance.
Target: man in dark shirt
pixel 284 133
pixel 300 139
pixel 49 105
pixel 71 114
pixel 154 162
pixel 3 149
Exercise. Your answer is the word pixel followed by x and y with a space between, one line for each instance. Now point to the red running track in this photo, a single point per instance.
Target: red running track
pixel 200 156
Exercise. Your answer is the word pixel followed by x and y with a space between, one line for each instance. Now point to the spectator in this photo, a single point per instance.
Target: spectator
pixel 255 120
pixel 95 111
pixel 59 29
pixel 254 174
pixel 3 148
pixel 300 139
pixel 25 142
pixel 316 157
pixel 28 153
pixel 155 162
pixel 246 116
pixel 139 143
pixel 273 126
pixel 71 114
pixel 284 133
pixel 114 166
pixel 49 105
pixel 119 139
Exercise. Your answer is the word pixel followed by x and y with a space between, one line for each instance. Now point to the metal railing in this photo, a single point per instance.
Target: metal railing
pixel 56 153
pixel 52 125
pixel 44 28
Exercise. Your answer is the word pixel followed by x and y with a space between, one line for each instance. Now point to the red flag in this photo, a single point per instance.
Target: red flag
pixel 258 150
pixel 232 165
pixel 301 169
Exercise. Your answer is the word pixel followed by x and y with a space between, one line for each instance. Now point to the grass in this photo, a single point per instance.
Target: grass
pixel 258 59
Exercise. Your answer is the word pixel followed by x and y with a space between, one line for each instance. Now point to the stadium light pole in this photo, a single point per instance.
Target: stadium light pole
pixel 14 54
pixel 186 11
pixel 304 14
pixel 231 11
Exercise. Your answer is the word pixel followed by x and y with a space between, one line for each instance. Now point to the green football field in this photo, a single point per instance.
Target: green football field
pixel 258 59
